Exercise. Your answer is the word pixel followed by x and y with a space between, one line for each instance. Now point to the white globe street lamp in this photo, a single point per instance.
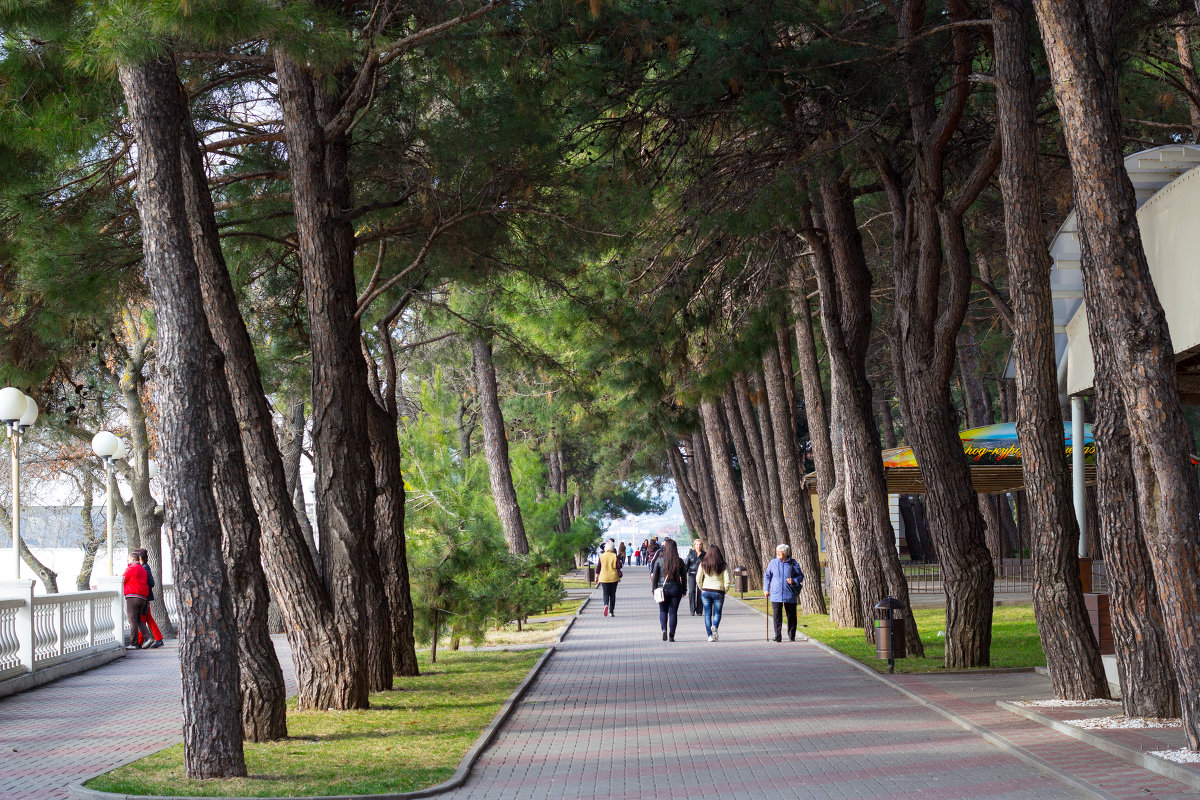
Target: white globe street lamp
pixel 17 412
pixel 105 444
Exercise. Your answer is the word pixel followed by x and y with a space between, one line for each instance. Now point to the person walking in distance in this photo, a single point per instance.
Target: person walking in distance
pixel 781 583
pixel 621 556
pixel 693 563
pixel 668 581
pixel 714 580
pixel 148 618
pixel 607 577
pixel 136 588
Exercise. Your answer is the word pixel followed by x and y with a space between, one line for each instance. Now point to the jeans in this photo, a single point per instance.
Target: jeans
pixel 713 602
pixel 668 610
pixel 610 595
pixel 790 609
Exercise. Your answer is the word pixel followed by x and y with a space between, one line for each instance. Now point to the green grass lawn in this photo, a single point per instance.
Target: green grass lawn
pixel 1014 638
pixel 565 606
pixel 576 583
pixel 411 737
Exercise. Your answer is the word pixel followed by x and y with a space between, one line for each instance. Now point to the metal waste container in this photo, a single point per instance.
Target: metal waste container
pixel 742 579
pixel 889 631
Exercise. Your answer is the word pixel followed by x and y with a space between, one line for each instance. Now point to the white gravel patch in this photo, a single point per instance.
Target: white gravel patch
pixel 1182 756
pixel 1121 721
pixel 1096 703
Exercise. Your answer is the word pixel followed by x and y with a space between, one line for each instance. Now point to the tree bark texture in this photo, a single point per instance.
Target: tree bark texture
pixel 327 674
pixel 212 734
pixel 495 445
pixel 766 435
pixel 739 540
pixel 1143 651
pixel 844 281
pixel 979 413
pixel 291 448
pixel 1072 656
pixel 390 543
pixel 929 240
pixel 345 476
pixel 264 698
pixel 1120 296
pixel 797 518
pixel 700 468
pixel 689 498
pixel 754 498
pixel 845 602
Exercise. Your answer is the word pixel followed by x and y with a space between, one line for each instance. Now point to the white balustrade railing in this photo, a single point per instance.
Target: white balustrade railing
pixel 171 600
pixel 41 631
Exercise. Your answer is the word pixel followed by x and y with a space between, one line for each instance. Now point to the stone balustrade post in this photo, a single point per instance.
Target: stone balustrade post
pixel 22 590
pixel 116 585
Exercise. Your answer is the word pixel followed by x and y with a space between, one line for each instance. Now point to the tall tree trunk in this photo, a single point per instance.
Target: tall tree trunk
pixel 328 673
pixel 291 447
pixel 883 410
pixel 1120 296
pixel 1071 653
pixel 264 698
pixel 798 518
pixel 495 445
pixel 1187 67
pixel 91 541
pixel 700 466
pixel 845 609
pixel 390 543
pixel 735 526
pixel 770 463
pixel 1143 651
pixel 753 496
pixel 689 498
pixel 47 576
pixel 844 281
pixel 212 734
pixel 344 474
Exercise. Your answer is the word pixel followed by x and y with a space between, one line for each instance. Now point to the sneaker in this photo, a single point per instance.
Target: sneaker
pixel 711 639
pixel 135 647
pixel 716 637
pixel 605 611
pixel 664 636
pixel 157 644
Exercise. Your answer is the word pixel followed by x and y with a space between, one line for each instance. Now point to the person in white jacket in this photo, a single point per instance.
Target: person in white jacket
pixel 713 580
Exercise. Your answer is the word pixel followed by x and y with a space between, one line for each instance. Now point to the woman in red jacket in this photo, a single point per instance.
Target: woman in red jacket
pixel 148 618
pixel 136 586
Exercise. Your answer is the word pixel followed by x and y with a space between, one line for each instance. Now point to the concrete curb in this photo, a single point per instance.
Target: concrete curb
pixel 1020 753
pixel 77 791
pixel 63 669
pixel 1168 769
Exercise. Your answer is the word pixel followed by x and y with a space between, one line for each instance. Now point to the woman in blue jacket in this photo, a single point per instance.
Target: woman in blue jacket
pixel 781 583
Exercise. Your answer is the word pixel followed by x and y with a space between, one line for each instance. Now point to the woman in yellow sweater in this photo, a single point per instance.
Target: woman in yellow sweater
pixel 608 576
pixel 713 580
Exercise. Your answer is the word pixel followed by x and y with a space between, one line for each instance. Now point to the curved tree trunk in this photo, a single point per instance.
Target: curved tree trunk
pixel 753 496
pixel 264 698
pixel 328 675
pixel 1143 651
pixel 740 542
pixel 845 609
pixel 1120 295
pixel 700 467
pixel 1072 656
pixel 495 445
pixel 390 544
pixel 212 734
pixel 798 518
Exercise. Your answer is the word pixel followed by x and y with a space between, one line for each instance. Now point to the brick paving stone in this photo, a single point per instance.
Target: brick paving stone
pixel 618 713
pixel 72 728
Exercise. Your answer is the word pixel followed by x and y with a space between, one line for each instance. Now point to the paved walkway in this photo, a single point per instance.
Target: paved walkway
pixel 73 728
pixel 618 713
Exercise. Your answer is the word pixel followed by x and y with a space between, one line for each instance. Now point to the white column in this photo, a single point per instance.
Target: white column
pixel 22 590
pixel 14 437
pixel 1077 474
pixel 108 519
pixel 115 585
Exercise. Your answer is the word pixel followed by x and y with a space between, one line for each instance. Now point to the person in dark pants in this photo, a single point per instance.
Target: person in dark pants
pixel 781 583
pixel 670 574
pixel 136 587
pixel 148 618
pixel 607 576
pixel 693 563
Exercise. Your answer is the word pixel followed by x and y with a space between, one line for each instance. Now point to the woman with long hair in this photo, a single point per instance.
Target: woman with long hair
pixel 713 580
pixel 621 555
pixel 669 573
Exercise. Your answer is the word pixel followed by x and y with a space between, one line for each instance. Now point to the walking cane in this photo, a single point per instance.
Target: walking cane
pixel 770 609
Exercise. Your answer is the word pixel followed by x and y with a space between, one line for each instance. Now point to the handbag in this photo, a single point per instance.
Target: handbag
pixel 620 574
pixel 659 595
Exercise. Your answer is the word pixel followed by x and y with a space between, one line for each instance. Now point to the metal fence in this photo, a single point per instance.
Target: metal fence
pixel 1011 576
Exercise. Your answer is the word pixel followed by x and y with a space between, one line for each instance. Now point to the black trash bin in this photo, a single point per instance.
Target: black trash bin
pixel 889 631
pixel 742 579
pixel 591 574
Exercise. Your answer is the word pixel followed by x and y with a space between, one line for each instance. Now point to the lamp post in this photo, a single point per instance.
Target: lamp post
pixel 17 412
pixel 106 445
